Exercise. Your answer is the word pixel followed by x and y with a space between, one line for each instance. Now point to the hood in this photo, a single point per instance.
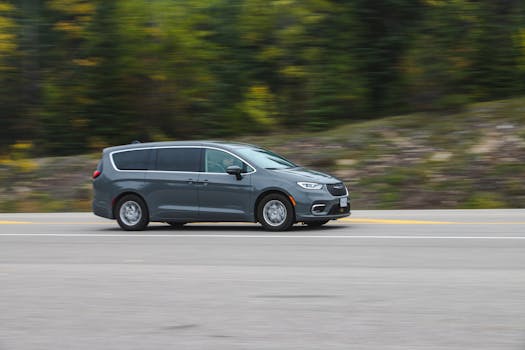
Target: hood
pixel 303 174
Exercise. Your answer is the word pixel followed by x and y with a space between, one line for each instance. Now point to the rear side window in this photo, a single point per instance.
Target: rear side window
pixel 178 159
pixel 132 160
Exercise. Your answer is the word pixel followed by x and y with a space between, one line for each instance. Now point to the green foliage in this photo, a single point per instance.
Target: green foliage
pixel 485 201
pixel 78 75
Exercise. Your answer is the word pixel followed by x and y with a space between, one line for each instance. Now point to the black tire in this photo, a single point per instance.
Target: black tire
pixel 176 224
pixel 137 217
pixel 316 223
pixel 279 205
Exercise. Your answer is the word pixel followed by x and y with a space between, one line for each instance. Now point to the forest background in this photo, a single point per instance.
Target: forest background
pixel 413 103
pixel 78 75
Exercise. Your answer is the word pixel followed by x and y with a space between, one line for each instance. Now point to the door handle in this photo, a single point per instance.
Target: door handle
pixel 190 181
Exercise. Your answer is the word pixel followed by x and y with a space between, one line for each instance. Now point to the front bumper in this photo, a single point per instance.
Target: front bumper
pixel 307 199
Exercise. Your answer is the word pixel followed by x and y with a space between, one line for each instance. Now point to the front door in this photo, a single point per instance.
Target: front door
pixel 221 196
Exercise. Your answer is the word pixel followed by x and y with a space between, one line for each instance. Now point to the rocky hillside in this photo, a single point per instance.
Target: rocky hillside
pixel 473 159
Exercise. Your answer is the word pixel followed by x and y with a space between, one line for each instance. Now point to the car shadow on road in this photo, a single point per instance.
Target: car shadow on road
pixel 196 228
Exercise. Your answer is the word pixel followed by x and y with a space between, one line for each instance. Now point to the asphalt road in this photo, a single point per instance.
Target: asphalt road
pixel 381 280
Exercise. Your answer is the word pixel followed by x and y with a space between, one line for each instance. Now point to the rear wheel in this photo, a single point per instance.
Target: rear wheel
pixel 316 223
pixel 132 213
pixel 275 212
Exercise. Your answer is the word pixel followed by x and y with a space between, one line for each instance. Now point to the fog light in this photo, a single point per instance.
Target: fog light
pixel 318 208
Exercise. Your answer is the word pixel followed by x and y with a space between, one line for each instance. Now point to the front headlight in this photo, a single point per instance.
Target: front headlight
pixel 310 185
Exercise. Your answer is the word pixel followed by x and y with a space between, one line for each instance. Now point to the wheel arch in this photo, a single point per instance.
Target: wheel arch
pixel 116 199
pixel 271 191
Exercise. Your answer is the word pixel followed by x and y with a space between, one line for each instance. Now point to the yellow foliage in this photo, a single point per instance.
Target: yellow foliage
pixel 259 105
pixel 5 45
pixel 520 39
pixel 4 37
pixel 159 77
pixel 74 7
pixel 17 158
pixel 80 122
pixel 435 2
pixel 5 7
pixel 6 23
pixel 83 100
pixel 21 146
pixel 7 39
pixel 86 62
pixel 459 62
pixel 293 71
pixel 97 143
pixel 20 165
pixel 155 32
pixel 81 11
pixel 26 165
pixel 68 27
pixel 270 53
pixel 82 8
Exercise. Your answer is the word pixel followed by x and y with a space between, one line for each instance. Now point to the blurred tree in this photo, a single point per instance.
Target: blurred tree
pixel 166 65
pixel 111 120
pixel 63 122
pixel 385 29
pixel 303 51
pixel 497 54
pixel 8 45
pixel 437 65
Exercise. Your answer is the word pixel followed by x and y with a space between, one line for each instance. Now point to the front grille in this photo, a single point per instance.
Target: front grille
pixel 338 189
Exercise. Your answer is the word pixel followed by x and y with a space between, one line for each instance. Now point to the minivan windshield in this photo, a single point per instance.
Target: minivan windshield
pixel 265 159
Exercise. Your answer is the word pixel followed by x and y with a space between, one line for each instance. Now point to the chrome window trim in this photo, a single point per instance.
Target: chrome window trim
pixel 176 171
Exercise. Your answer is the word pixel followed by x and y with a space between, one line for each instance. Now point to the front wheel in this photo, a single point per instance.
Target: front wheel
pixel 275 212
pixel 132 213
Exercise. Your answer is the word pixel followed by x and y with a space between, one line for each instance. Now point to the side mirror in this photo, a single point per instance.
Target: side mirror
pixel 234 170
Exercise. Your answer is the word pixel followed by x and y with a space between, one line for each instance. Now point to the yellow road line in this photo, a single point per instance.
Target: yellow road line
pixel 427 222
pixel 396 222
pixel 7 222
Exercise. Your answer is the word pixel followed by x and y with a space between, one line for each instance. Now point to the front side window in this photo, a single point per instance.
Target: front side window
pixel 178 159
pixel 216 161
pixel 132 160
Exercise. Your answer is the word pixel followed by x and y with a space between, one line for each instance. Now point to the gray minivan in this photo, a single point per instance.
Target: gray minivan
pixel 211 181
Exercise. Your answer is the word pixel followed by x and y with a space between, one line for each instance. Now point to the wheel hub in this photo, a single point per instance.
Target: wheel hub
pixel 274 213
pixel 130 213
